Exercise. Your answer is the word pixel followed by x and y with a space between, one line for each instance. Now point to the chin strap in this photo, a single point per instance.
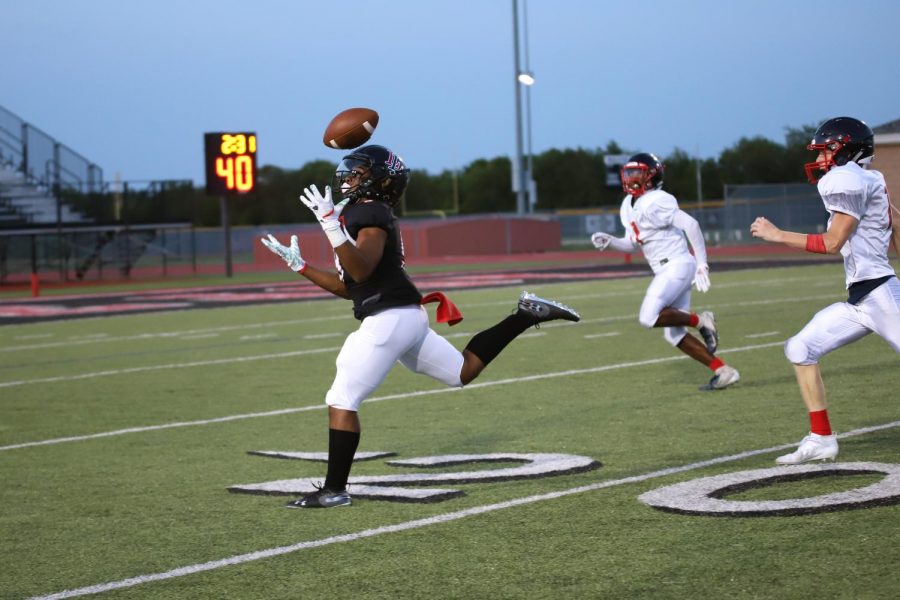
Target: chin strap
pixel 446 310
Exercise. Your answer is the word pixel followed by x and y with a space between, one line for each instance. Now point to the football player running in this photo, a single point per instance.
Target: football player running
pixel 394 326
pixel 655 225
pixel 859 227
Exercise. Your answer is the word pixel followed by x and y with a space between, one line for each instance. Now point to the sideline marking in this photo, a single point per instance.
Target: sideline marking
pixel 284 411
pixel 417 523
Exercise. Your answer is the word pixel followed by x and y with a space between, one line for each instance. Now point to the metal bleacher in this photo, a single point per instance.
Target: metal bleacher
pixel 60 220
pixel 24 203
pixel 36 171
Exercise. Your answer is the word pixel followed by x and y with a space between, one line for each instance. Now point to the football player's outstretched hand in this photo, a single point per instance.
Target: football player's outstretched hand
pixel 601 240
pixel 290 254
pixel 701 278
pixel 326 212
pixel 763 228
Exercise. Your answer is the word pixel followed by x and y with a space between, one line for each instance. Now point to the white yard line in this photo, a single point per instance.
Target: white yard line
pixel 170 334
pixel 347 316
pixel 419 523
pixel 764 334
pixel 285 411
pixel 131 370
pixel 602 335
pixel 198 336
pixel 258 336
pixel 634 316
pixel 36 336
pixel 224 361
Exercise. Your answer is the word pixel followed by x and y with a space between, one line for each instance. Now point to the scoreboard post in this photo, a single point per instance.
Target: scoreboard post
pixel 230 171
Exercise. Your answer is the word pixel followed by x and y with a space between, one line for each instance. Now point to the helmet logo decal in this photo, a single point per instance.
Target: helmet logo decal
pixel 393 163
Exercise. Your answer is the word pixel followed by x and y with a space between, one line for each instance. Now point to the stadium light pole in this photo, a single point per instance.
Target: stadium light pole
pixel 518 167
pixel 526 78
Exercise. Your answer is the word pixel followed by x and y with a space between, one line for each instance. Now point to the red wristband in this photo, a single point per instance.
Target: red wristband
pixel 815 242
pixel 303 268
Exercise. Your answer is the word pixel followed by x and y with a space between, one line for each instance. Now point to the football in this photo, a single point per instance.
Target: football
pixel 350 128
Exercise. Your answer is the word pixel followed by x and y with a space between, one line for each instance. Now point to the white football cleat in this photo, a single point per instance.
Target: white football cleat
pixel 541 309
pixel 812 447
pixel 707 328
pixel 724 377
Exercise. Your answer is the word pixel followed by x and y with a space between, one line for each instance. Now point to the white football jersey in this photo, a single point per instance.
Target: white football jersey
pixel 648 223
pixel 863 195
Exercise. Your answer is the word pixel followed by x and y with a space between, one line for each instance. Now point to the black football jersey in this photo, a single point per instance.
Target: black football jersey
pixel 389 284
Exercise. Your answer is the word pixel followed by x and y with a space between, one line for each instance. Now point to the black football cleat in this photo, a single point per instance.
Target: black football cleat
pixel 541 310
pixel 322 498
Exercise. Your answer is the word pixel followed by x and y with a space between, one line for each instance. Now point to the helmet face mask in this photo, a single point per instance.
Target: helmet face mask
pixel 371 173
pixel 839 141
pixel 642 172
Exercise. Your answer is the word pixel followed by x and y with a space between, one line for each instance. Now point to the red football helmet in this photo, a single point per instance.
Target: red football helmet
pixel 642 172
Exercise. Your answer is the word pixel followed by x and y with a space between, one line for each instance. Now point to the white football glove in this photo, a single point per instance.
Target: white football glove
pixel 290 254
pixel 326 212
pixel 701 278
pixel 601 240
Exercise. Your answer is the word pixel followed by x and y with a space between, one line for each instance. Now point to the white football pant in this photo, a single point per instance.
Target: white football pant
pixel 670 287
pixel 843 323
pixel 382 339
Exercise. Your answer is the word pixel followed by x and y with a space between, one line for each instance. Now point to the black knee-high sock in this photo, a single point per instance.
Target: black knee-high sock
pixel 341 448
pixel 487 344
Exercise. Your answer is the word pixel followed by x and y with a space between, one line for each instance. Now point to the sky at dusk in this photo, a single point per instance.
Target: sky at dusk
pixel 133 85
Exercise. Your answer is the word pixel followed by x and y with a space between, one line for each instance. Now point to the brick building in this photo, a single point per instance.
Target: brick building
pixel 887 160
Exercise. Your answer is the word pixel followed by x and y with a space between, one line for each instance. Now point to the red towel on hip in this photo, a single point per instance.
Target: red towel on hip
pixel 446 310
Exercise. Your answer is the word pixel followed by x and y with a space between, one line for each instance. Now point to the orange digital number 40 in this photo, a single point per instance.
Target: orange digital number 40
pixel 237 171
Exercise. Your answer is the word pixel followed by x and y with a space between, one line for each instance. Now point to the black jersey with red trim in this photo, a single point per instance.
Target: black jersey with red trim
pixel 389 285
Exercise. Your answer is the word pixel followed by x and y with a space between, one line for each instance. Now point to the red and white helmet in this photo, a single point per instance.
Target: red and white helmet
pixel 643 172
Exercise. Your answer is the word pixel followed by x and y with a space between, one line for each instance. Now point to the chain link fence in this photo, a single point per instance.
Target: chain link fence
pixel 792 206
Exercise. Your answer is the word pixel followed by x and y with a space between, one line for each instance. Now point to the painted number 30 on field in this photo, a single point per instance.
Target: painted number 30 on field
pixel 701 496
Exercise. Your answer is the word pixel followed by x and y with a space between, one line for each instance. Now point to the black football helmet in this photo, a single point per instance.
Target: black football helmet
pixel 643 172
pixel 372 173
pixel 848 139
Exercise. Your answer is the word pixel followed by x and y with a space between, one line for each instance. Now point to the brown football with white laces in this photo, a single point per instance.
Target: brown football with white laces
pixel 350 128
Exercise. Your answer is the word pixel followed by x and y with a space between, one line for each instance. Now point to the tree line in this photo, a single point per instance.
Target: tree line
pixel 566 179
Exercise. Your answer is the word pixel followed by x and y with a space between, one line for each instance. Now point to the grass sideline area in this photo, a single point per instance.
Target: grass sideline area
pixel 120 437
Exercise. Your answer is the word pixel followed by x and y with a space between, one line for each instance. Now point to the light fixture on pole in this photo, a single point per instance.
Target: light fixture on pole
pixel 526 78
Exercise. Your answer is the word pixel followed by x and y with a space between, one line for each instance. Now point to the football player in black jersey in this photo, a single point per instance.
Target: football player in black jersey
pixel 369 257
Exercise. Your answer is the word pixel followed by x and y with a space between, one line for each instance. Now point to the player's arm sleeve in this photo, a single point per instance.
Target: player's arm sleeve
pixel 622 245
pixel 691 228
